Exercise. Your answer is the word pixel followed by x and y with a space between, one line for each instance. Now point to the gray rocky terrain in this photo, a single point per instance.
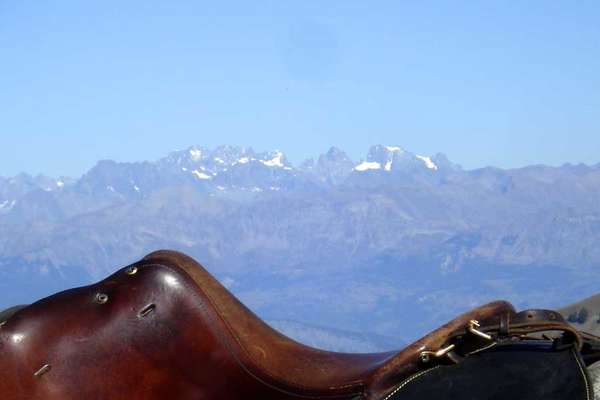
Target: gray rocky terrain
pixel 392 244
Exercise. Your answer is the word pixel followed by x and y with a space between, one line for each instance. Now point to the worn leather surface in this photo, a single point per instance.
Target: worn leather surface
pixel 171 331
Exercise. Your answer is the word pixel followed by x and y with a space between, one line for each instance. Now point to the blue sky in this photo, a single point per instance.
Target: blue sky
pixel 487 83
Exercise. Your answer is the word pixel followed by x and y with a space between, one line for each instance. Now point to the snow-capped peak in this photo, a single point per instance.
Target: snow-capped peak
pixel 395 158
pixel 195 153
pixel 276 161
pixel 383 156
pixel 428 162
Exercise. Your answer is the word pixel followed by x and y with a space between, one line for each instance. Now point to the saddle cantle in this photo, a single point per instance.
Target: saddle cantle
pixel 164 328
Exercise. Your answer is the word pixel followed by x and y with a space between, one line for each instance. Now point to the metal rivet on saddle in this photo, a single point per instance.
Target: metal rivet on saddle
pixel 45 368
pixel 101 298
pixel 132 270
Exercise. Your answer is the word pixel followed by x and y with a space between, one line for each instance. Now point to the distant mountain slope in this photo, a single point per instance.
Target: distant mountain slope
pixel 585 314
pixel 336 339
pixel 397 242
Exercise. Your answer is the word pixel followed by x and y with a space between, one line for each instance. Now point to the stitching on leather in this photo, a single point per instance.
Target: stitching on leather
pixel 214 309
pixel 409 380
pixel 489 346
pixel 420 374
pixel 583 374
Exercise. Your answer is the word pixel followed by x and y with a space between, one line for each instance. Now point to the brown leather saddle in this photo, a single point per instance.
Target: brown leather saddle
pixel 164 328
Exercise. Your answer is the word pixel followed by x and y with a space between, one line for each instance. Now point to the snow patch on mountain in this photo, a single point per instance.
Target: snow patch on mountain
pixel 394 149
pixel 195 153
pixel 201 175
pixel 276 161
pixel 7 205
pixel 366 165
pixel 428 162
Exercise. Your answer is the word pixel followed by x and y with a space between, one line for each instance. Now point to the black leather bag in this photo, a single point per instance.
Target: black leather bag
pixel 522 370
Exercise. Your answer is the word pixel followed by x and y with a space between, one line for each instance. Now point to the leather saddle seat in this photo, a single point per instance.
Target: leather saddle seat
pixel 165 328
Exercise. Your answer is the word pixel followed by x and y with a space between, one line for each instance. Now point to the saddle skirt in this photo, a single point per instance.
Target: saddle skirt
pixel 164 328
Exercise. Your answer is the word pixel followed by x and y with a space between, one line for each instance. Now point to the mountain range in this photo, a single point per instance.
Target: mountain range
pixel 393 244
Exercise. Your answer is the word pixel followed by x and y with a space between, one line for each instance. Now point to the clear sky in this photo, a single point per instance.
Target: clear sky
pixel 504 83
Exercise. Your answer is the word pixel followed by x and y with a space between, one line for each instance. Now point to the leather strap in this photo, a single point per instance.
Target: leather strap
pixel 519 325
pixel 504 328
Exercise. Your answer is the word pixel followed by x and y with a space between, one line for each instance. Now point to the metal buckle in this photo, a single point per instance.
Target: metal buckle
pixel 473 324
pixel 427 354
